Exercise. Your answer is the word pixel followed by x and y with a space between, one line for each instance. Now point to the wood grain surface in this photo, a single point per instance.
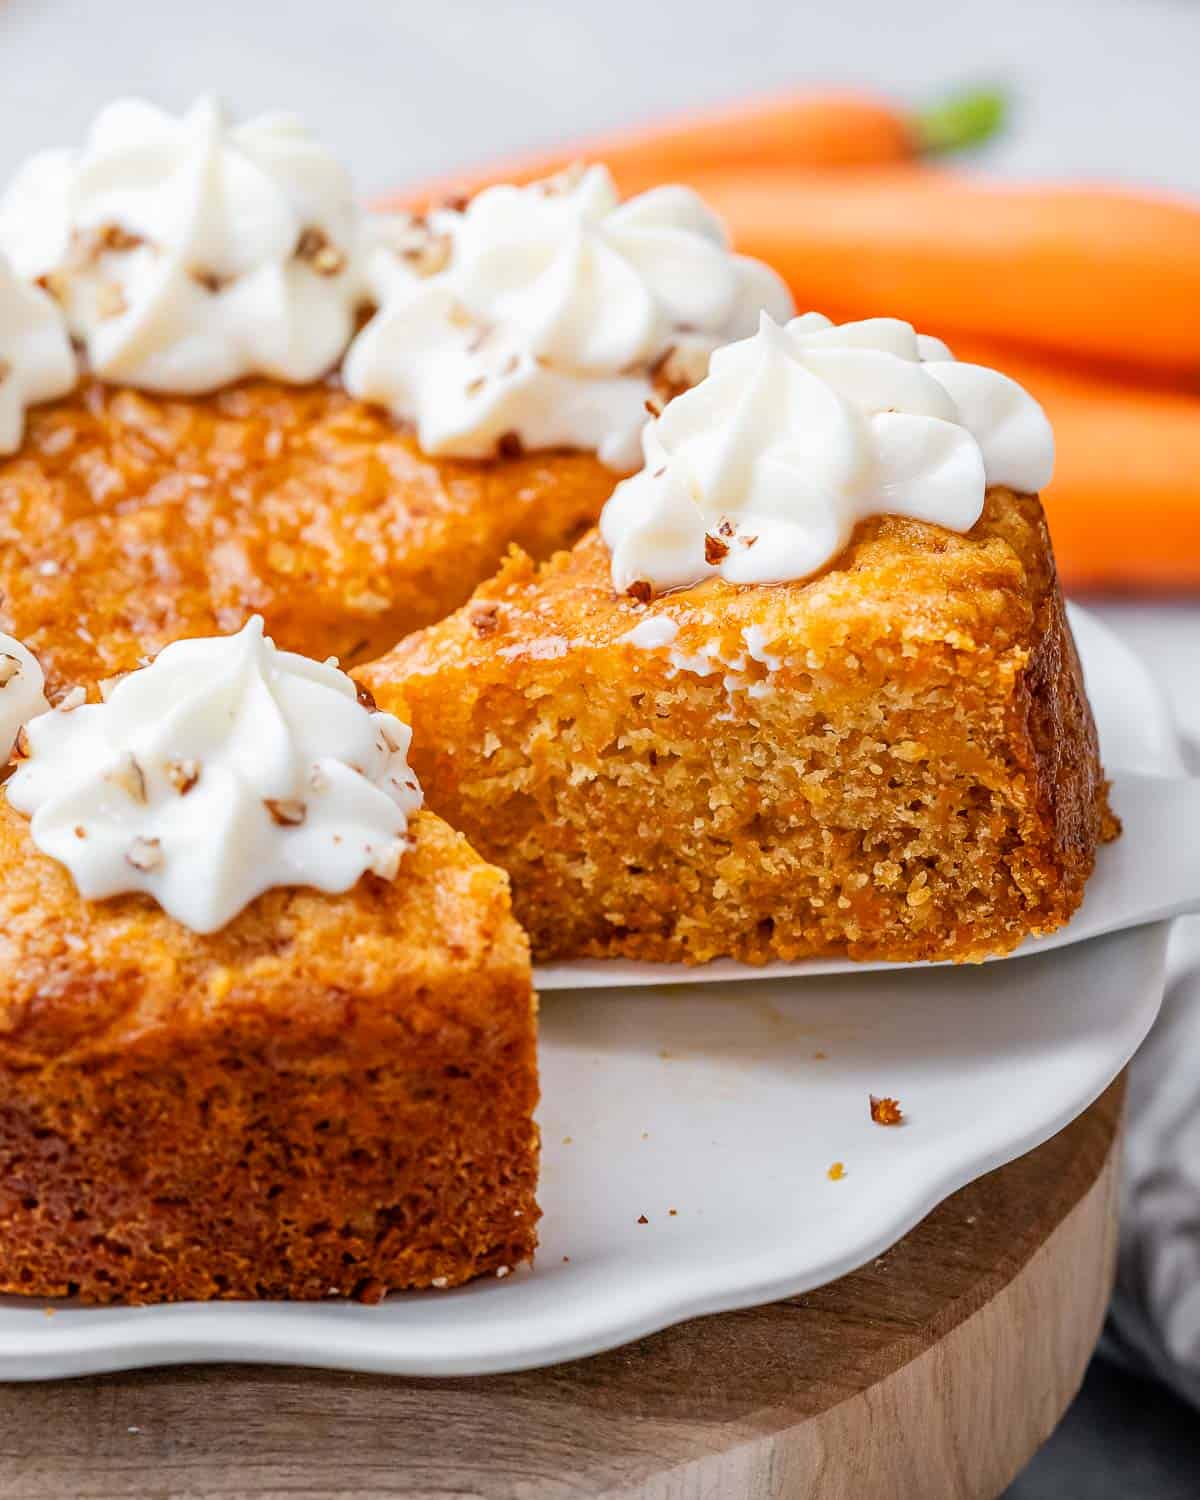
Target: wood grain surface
pixel 933 1373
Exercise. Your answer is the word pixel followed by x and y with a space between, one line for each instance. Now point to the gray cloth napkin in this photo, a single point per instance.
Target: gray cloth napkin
pixel 1154 1323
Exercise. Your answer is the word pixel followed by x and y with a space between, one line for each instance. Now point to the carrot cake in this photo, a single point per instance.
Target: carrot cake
pixel 277 402
pixel 810 689
pixel 266 1027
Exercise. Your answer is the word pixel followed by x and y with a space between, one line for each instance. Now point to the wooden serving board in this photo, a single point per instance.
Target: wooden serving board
pixel 932 1374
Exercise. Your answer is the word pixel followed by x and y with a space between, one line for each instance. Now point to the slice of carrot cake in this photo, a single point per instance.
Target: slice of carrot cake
pixel 809 690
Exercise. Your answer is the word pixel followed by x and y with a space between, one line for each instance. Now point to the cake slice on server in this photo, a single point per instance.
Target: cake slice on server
pixel 810 689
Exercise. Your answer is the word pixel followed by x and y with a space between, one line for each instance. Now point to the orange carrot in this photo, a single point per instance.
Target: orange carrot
pixel 1094 272
pixel 797 130
pixel 1124 503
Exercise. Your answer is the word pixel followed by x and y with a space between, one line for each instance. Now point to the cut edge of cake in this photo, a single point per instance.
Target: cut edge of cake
pixel 894 760
pixel 333 1096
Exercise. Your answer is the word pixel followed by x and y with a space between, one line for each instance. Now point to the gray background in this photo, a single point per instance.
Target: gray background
pixel 404 88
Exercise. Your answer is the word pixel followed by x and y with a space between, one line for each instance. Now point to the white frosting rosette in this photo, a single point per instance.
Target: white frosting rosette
pixel 225 768
pixel 22 692
pixel 37 362
pixel 188 253
pixel 761 472
pixel 550 315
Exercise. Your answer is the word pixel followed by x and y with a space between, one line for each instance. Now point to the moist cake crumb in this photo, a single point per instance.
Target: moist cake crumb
pixel 892 760
pixel 331 1096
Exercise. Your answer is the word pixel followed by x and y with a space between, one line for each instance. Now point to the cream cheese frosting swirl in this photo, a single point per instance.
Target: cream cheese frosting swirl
pixel 188 252
pixel 22 691
pixel 37 362
pixel 760 473
pixel 550 315
pixel 225 768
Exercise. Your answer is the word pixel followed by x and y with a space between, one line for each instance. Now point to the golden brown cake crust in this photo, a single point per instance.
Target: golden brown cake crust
pixel 129 519
pixel 895 759
pixel 332 1095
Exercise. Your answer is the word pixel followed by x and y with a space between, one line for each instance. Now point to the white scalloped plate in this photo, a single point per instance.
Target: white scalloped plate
pixel 713 1113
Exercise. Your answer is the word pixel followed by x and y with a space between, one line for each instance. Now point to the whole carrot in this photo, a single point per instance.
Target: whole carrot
pixel 1093 272
pixel 810 129
pixel 1124 503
